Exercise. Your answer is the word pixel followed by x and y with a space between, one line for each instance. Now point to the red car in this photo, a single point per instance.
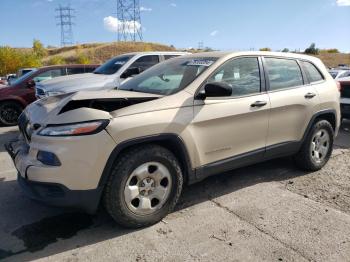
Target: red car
pixel 345 97
pixel 14 98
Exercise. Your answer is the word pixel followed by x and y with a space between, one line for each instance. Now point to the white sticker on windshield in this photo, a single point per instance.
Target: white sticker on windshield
pixel 200 62
pixel 119 63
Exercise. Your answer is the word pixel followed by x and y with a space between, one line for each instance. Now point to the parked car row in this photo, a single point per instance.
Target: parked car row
pixel 340 72
pixel 21 92
pixel 108 76
pixel 133 149
pixel 345 97
pixel 57 80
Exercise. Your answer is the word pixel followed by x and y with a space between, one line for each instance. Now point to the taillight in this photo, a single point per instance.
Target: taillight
pixel 339 86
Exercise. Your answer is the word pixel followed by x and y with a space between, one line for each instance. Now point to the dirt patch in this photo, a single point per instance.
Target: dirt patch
pixel 331 185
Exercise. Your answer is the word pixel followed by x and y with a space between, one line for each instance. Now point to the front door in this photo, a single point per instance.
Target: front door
pixel 234 127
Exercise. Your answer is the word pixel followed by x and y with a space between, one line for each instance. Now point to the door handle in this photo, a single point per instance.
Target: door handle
pixel 258 104
pixel 310 95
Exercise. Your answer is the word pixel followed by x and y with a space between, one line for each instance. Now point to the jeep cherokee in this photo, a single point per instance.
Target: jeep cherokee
pixel 177 123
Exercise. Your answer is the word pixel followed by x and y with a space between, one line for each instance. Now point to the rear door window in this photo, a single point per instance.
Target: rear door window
pixel 89 69
pixel 312 73
pixel 49 74
pixel 75 70
pixel 146 62
pixel 283 73
pixel 166 57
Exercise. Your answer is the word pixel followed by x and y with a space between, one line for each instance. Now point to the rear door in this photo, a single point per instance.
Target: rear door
pixel 227 128
pixel 293 103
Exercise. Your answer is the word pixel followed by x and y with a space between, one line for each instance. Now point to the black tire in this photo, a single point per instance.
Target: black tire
pixel 9 113
pixel 113 198
pixel 304 159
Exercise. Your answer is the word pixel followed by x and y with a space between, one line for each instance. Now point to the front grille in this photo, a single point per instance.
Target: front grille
pixel 345 90
pixel 40 92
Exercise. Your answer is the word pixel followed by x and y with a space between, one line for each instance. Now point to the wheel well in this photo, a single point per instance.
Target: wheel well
pixel 13 101
pixel 330 117
pixel 173 143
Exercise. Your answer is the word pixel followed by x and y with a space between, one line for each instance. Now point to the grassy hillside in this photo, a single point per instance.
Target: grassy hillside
pixel 100 52
pixel 333 60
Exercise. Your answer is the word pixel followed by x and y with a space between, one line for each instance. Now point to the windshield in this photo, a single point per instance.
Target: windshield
pixel 113 65
pixel 23 77
pixel 169 77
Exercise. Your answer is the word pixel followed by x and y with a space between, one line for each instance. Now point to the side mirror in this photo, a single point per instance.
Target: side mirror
pixel 30 83
pixel 215 89
pixel 131 71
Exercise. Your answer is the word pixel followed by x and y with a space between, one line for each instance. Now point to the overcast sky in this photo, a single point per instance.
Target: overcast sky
pixel 220 24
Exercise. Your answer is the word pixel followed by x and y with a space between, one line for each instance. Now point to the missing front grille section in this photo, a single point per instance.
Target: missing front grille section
pixel 107 105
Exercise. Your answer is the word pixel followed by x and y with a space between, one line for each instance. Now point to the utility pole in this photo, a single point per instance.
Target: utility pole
pixel 65 17
pixel 129 18
pixel 200 45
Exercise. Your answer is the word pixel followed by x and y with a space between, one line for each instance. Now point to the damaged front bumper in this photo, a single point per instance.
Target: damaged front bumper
pixel 62 185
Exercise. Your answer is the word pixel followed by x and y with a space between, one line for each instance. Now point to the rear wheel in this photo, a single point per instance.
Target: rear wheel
pixel 143 187
pixel 317 147
pixel 9 113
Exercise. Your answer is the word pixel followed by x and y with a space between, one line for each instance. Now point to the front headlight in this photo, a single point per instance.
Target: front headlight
pixel 74 129
pixel 54 93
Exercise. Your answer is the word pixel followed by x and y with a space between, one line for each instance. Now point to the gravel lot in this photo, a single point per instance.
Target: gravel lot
pixel 270 211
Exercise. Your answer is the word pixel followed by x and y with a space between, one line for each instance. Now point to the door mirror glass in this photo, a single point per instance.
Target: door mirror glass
pixel 131 71
pixel 217 89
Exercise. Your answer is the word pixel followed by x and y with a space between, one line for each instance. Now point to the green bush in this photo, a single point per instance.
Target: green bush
pixel 12 59
pixel 312 50
pixel 265 49
pixel 56 60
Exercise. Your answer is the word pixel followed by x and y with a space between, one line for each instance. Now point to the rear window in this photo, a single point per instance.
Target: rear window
pixel 312 73
pixel 283 73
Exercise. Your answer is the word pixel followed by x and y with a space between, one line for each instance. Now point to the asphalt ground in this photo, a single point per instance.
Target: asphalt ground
pixel 266 212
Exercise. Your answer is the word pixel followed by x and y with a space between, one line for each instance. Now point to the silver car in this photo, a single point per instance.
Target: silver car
pixel 108 76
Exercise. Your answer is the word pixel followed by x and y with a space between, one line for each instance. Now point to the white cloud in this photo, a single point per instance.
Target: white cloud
pixel 214 33
pixel 145 9
pixel 114 25
pixel 173 5
pixel 343 2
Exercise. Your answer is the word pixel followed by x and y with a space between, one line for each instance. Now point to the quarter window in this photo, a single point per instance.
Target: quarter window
pixel 283 73
pixel 242 74
pixel 312 72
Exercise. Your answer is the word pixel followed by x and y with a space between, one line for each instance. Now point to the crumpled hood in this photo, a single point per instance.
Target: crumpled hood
pixel 82 106
pixel 72 83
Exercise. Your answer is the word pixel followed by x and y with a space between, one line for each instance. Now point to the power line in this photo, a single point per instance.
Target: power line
pixel 65 17
pixel 129 20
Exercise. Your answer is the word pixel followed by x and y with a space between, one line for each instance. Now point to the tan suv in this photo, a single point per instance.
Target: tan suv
pixel 175 124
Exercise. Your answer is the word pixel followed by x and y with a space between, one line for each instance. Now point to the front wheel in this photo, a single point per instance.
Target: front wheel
pixel 317 147
pixel 9 113
pixel 143 187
